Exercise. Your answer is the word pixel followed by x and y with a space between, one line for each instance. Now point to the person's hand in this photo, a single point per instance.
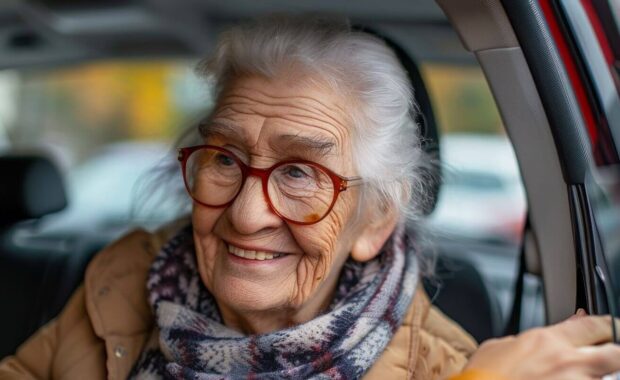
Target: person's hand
pixel 577 348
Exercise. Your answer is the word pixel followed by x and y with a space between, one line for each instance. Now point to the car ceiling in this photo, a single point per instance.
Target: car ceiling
pixel 48 32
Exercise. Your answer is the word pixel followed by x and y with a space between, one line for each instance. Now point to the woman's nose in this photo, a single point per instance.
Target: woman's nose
pixel 250 211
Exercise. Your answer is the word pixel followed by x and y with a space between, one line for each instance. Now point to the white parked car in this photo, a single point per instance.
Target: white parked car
pixel 114 188
pixel 482 196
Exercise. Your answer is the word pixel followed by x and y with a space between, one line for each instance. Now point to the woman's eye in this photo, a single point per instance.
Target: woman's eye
pixel 296 172
pixel 224 160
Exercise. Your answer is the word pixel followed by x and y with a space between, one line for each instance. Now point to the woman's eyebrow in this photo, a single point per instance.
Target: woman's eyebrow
pixel 210 128
pixel 316 144
pixel 319 144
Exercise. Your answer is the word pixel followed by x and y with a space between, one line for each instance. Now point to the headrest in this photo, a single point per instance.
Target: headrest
pixel 31 186
pixel 425 117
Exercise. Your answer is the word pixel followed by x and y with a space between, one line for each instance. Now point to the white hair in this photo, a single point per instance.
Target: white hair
pixel 386 145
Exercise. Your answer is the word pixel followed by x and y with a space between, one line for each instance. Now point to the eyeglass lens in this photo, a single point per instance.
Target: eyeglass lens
pixel 298 191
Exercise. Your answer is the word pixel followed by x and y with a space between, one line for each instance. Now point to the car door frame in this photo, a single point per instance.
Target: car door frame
pixel 544 117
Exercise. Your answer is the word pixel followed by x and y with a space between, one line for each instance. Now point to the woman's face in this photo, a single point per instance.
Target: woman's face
pixel 265 121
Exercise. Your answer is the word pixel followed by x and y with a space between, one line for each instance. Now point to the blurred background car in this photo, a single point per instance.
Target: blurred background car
pixel 481 197
pixel 112 188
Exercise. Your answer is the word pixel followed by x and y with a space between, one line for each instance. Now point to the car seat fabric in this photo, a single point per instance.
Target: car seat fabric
pixel 458 289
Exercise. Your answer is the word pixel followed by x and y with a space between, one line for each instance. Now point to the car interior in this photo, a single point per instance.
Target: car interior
pixel 490 289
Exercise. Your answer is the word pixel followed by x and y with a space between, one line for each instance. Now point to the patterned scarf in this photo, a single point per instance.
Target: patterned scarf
pixel 191 341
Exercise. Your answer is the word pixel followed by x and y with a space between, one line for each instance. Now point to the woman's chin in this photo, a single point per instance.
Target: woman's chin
pixel 244 282
pixel 243 296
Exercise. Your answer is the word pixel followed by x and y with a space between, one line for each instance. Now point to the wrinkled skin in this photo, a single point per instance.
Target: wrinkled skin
pixel 251 117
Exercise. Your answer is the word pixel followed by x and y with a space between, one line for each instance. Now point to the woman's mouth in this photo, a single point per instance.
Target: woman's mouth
pixel 253 255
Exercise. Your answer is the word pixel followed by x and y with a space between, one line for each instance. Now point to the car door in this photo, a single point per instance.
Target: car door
pixel 583 36
pixel 552 68
pixel 586 33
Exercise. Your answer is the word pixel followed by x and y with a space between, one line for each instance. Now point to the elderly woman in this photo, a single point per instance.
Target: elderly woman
pixel 296 263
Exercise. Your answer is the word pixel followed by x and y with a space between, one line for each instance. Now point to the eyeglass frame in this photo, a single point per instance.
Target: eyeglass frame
pixel 340 183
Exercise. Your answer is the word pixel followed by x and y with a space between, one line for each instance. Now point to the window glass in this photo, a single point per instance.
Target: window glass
pixel 603 185
pixel 603 189
pixel 591 26
pixel 109 125
pixel 477 157
pixel 481 208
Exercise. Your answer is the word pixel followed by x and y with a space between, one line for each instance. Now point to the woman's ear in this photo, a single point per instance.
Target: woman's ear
pixel 373 236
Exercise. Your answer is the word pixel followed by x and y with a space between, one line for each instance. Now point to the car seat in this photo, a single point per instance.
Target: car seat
pixel 36 276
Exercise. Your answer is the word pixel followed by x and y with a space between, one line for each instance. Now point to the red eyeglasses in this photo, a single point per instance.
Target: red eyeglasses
pixel 300 192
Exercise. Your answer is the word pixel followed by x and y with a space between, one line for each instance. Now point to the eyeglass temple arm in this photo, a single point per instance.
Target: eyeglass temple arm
pixel 350 182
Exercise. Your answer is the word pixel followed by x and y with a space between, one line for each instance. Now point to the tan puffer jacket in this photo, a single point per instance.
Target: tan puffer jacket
pixel 102 329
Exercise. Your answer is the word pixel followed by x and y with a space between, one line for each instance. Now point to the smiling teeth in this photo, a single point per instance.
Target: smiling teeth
pixel 252 255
